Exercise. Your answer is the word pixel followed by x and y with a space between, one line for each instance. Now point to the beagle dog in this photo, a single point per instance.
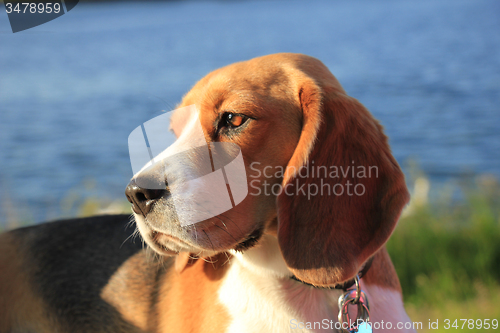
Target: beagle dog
pixel 325 195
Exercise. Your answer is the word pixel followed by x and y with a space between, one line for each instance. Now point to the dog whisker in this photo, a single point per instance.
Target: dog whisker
pixel 228 259
pixel 236 224
pixel 227 233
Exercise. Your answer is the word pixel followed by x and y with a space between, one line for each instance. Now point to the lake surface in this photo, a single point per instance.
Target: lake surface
pixel 73 89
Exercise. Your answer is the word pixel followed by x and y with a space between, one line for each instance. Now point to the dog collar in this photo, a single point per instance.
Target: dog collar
pixel 343 286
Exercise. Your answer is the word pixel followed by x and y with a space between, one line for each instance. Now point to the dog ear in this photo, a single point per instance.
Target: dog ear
pixel 342 192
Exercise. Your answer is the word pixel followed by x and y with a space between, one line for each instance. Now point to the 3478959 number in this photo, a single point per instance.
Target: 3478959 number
pixel 471 324
pixel 33 8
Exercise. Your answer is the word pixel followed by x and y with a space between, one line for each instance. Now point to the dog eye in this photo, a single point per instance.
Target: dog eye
pixel 233 120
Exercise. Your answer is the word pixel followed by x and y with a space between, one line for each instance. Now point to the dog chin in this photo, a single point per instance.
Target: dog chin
pixel 169 245
pixel 163 243
pixel 150 237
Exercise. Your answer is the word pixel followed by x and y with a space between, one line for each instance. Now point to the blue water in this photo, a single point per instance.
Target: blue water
pixel 73 89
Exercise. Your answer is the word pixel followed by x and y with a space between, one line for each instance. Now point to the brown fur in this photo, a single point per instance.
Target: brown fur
pixel 19 303
pixel 346 230
pixel 382 263
pixel 189 303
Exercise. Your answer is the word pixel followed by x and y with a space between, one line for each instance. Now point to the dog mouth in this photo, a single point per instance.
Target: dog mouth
pixel 250 241
pixel 161 240
pixel 171 245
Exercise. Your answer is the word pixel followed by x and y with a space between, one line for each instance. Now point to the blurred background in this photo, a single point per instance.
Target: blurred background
pixel 72 90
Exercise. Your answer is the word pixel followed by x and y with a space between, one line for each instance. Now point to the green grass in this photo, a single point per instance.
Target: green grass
pixel 447 255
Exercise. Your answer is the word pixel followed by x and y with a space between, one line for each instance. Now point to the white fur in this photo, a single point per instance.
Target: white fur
pixel 192 136
pixel 195 198
pixel 260 297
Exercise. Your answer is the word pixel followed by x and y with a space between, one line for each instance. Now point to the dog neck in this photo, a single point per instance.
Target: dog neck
pixel 259 293
pixel 264 259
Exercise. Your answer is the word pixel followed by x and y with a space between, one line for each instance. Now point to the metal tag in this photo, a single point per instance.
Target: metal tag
pixel 355 297
pixel 365 328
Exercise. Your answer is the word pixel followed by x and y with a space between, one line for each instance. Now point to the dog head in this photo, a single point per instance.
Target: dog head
pixel 320 174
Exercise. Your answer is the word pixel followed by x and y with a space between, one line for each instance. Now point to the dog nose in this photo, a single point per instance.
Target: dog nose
pixel 142 199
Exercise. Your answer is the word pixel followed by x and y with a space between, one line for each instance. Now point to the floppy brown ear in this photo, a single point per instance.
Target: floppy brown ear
pixel 325 237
